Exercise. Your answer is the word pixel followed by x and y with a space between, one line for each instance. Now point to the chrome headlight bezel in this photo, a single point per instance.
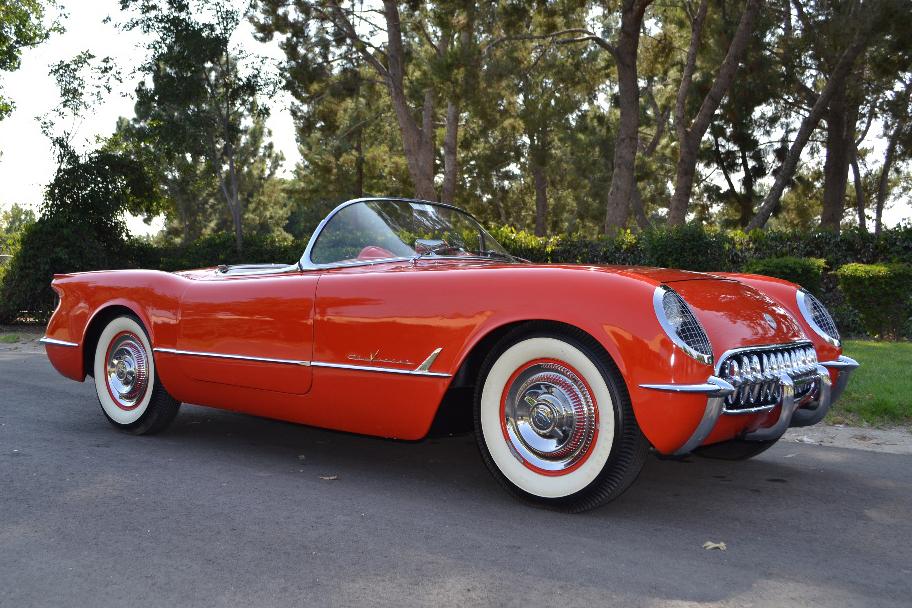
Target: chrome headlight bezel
pixel 806 301
pixel 695 351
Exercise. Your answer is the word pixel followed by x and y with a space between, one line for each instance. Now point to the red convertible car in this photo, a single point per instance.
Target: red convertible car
pixel 402 313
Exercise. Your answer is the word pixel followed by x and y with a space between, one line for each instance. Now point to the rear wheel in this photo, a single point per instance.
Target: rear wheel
pixel 128 389
pixel 553 420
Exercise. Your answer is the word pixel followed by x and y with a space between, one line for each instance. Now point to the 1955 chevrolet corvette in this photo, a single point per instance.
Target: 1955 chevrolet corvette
pixel 401 311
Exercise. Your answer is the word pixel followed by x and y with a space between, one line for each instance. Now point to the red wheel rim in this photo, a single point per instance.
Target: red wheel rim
pixel 126 370
pixel 549 416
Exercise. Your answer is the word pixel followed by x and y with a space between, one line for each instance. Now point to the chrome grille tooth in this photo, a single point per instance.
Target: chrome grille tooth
pixel 755 372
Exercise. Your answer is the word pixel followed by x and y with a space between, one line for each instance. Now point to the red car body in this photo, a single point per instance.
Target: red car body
pixel 375 348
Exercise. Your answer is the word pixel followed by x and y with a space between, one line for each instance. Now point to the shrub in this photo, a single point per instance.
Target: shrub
pixel 689 247
pixel 807 272
pixel 53 245
pixel 81 228
pixel 880 294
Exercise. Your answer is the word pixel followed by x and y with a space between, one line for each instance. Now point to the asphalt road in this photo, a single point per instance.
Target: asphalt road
pixel 225 509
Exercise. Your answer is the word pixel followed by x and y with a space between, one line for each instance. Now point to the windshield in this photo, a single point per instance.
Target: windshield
pixel 388 229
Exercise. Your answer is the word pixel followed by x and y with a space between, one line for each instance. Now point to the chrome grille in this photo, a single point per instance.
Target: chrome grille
pixel 755 372
pixel 822 317
pixel 685 323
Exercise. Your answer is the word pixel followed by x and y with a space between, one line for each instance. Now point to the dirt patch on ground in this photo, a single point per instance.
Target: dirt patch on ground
pixel 21 338
pixel 896 440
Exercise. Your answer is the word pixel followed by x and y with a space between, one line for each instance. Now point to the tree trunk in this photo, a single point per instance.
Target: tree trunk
pixel 359 163
pixel 840 141
pixel 883 185
pixel 417 143
pixel 639 211
pixel 623 177
pixel 860 202
pixel 541 195
pixel 685 172
pixel 690 135
pixel 450 145
pixel 790 164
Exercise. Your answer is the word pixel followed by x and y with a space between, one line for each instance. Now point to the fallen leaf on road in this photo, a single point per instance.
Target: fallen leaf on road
pixel 710 545
pixel 329 477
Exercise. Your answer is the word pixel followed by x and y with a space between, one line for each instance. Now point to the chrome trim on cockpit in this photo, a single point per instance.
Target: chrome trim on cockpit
pixel 306 263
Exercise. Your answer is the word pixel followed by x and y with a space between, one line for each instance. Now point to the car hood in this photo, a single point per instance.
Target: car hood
pixel 737 315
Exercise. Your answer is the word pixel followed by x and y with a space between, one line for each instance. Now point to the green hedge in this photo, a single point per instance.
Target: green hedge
pixel 807 272
pixel 797 256
pixel 880 294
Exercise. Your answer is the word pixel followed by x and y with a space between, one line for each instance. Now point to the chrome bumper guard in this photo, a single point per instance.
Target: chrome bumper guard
pixel 791 414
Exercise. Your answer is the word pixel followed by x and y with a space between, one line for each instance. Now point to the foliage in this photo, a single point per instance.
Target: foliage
pixel 807 272
pixel 880 293
pixel 202 105
pixel 21 26
pixel 81 228
pixel 13 222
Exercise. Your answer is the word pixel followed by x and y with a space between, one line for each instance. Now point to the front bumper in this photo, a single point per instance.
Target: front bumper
pixel 792 412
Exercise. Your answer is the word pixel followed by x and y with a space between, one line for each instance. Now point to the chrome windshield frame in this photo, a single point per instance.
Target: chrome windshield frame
pixel 306 263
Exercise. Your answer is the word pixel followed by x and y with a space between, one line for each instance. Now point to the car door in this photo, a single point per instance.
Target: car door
pixel 253 331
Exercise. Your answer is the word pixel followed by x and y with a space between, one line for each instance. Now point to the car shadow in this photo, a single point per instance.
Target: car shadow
pixel 796 518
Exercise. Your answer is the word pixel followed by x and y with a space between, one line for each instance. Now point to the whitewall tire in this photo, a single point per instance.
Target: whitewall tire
pixel 553 419
pixel 126 383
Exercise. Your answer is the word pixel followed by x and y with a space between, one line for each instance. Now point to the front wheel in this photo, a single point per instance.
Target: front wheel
pixel 554 423
pixel 128 389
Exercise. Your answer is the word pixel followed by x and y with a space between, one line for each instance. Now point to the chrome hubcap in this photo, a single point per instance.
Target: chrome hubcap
pixel 549 416
pixel 127 371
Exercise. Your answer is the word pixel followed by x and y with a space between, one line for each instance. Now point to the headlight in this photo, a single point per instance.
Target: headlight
pixel 681 325
pixel 818 317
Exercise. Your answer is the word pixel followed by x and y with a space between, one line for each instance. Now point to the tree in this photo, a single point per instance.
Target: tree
pixel 550 86
pixel 12 222
pixel 690 132
pixel 417 53
pixel 852 26
pixel 22 26
pixel 205 95
pixel 899 145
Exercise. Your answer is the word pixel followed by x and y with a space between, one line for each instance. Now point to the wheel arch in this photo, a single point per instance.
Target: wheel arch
pixel 454 413
pixel 102 316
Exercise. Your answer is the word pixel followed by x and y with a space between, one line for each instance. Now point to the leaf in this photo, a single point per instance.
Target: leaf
pixel 329 477
pixel 710 545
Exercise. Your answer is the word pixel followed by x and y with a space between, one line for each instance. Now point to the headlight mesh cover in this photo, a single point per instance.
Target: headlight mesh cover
pixel 685 323
pixel 821 316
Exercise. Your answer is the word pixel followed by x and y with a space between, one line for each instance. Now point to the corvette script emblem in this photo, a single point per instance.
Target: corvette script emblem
pixel 375 357
pixel 770 320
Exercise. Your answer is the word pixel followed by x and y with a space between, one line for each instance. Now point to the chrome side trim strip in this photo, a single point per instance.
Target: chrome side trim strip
pixel 382 370
pixel 55 342
pixel 192 353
